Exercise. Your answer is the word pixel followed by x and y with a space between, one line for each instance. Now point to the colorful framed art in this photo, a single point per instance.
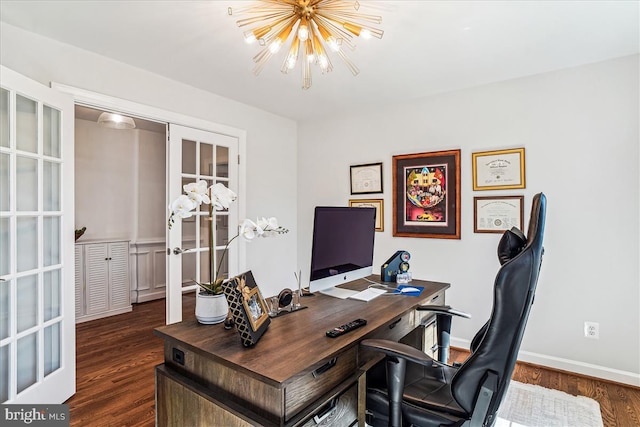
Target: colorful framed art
pixel 426 195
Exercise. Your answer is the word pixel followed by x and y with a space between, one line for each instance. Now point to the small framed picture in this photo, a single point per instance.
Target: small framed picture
pixel 371 203
pixel 248 308
pixel 426 195
pixel 497 214
pixel 255 308
pixel 366 179
pixel 498 170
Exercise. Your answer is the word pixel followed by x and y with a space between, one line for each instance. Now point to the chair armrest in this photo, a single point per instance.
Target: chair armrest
pixel 443 309
pixel 396 349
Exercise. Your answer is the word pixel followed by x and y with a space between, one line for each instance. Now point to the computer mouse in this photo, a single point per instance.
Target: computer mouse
pixel 409 290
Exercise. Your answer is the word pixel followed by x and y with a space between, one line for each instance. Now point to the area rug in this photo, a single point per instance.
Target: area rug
pixel 528 405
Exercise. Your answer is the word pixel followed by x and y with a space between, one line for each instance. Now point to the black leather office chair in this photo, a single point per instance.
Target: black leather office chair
pixel 416 390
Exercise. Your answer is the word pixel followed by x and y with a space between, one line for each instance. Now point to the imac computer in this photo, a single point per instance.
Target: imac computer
pixel 342 248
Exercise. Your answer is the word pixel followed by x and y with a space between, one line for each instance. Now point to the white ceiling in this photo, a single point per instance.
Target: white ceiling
pixel 428 46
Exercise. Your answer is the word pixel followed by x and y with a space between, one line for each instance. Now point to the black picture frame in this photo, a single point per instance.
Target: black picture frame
pixel 366 178
pixel 248 307
pixel 426 195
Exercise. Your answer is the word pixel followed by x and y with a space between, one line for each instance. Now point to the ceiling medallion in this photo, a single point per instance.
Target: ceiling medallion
pixel 313 27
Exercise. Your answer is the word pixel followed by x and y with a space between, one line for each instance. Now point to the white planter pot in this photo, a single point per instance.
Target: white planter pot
pixel 211 309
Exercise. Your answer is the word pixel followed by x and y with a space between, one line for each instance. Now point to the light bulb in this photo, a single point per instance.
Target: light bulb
pixel 365 34
pixel 249 37
pixel 291 61
pixel 303 32
pixel 323 61
pixel 275 45
pixel 333 44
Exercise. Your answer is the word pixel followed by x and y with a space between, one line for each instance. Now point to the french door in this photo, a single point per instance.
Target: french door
pixel 196 155
pixel 37 322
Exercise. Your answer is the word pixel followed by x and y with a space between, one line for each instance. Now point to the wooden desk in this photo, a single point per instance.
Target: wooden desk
pixel 209 379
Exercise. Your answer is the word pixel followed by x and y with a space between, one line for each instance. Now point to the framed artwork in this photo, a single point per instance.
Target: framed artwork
pixel 248 308
pixel 498 170
pixel 426 195
pixel 497 214
pixel 371 203
pixel 366 179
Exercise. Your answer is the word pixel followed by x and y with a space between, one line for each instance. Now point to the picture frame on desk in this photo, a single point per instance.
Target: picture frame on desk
pixel 497 214
pixel 426 195
pixel 248 307
pixel 378 204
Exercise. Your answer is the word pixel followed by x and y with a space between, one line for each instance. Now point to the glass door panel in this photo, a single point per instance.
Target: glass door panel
pixel 5 172
pixel 27 243
pixel 27 361
pixel 27 176
pixel 26 124
pixel 27 304
pixel 51 132
pixel 4 118
pixel 51 294
pixel 51 186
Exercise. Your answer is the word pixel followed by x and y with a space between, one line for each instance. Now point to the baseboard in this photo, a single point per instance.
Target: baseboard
pixel 569 365
pixel 145 297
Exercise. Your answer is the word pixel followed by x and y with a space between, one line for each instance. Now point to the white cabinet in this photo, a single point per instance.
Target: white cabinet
pixel 102 279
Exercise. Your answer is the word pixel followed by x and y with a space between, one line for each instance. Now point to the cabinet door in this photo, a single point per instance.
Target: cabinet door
pixel 120 294
pixel 79 281
pixel 96 278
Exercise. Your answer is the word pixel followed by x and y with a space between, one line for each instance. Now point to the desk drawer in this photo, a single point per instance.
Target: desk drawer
pixel 308 387
pixel 342 411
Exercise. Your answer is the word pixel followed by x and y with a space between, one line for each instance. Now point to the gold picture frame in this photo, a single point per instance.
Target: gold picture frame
pixel 255 308
pixel 499 169
pixel 378 204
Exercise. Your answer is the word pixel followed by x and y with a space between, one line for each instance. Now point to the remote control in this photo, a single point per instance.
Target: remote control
pixel 341 330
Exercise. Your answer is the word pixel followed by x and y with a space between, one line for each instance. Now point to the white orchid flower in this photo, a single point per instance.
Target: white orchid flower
pixel 221 196
pixel 182 207
pixel 249 229
pixel 197 191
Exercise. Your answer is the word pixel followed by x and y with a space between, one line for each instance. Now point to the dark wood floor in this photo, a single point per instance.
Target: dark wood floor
pixel 116 357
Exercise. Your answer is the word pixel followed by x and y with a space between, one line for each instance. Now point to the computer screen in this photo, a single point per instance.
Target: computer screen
pixel 342 247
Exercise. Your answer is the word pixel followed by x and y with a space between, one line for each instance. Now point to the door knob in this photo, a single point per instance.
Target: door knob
pixel 177 251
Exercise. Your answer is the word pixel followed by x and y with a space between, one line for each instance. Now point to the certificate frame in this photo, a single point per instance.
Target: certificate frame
pixel 496 214
pixel 420 210
pixel 366 178
pixel 378 204
pixel 499 169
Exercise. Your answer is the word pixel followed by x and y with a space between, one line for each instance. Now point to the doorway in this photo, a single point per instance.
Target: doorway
pixel 120 214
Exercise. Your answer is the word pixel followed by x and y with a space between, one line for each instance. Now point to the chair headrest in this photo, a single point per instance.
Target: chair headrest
pixel 510 245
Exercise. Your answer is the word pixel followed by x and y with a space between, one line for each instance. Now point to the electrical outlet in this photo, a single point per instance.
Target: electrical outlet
pixel 592 330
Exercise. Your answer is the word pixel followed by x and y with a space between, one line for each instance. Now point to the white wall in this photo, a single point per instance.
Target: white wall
pixel 119 182
pixel 580 130
pixel 271 140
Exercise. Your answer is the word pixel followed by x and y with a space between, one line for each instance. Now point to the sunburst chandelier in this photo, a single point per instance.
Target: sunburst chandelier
pixel 314 27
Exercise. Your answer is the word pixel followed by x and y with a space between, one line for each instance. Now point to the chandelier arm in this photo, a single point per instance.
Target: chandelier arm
pixel 337 32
